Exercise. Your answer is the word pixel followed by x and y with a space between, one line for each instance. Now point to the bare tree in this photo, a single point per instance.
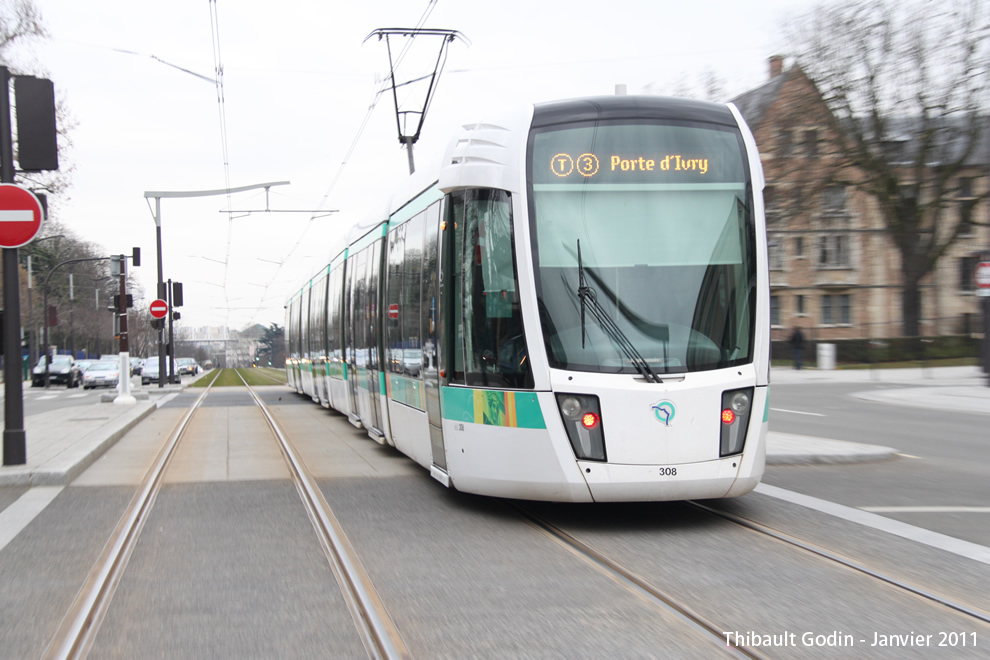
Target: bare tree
pixel 908 86
pixel 21 24
pixel 20 21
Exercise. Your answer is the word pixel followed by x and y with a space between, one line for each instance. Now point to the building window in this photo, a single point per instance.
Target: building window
pixel 784 143
pixel 833 251
pixel 836 309
pixel 774 310
pixel 967 273
pixel 966 208
pixel 799 304
pixel 810 143
pixel 834 199
pixel 799 247
pixel 775 252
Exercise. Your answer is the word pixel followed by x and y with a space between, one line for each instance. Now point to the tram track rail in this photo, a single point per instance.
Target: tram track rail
pixel 846 562
pixel 80 625
pixel 378 632
pixel 701 625
pixel 705 626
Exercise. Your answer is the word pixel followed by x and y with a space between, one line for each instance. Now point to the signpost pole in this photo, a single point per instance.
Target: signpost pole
pixel 14 436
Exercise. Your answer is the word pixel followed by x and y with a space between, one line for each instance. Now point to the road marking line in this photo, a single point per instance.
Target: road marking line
pixel 78 396
pixel 926 509
pixel 797 412
pixel 18 515
pixel 46 397
pixel 907 455
pixel 980 553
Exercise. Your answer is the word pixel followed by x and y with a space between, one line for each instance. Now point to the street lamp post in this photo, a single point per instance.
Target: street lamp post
pixel 157 196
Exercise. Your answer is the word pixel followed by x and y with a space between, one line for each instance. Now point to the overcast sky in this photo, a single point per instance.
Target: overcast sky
pixel 298 81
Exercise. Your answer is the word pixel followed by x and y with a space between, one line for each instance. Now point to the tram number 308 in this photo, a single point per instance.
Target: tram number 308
pixel 668 472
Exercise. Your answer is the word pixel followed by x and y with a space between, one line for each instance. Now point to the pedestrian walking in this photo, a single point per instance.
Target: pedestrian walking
pixel 797 346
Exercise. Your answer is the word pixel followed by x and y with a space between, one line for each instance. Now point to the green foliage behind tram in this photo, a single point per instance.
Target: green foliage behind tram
pixel 254 377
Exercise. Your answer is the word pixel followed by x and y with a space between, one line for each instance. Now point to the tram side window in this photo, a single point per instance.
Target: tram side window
pixel 488 318
pixel 333 306
pixel 304 314
pixel 412 278
pixel 393 292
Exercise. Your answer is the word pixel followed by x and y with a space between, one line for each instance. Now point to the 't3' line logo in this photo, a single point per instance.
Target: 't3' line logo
pixel 664 411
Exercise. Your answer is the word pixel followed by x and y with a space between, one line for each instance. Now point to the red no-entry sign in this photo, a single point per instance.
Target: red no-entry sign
pixel 158 309
pixel 982 278
pixel 393 311
pixel 20 216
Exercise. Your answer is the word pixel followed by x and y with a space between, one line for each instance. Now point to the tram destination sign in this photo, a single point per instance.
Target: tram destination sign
pixel 636 154
pixel 20 216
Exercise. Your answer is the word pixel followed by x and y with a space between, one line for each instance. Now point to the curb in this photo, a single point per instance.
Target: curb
pixel 83 454
pixel 789 449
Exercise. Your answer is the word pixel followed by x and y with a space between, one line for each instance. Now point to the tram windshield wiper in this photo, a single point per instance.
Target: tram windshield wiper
pixel 589 301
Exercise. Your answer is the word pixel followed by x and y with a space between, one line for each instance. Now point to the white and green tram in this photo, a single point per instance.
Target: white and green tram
pixel 576 309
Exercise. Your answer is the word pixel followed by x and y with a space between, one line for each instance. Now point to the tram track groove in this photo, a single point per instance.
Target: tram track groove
pixel 639 585
pixel 846 562
pixel 378 632
pixel 81 623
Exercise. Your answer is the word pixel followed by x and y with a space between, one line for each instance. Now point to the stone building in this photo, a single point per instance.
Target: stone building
pixel 834 270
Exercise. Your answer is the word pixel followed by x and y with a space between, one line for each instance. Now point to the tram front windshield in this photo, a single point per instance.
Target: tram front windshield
pixel 644 245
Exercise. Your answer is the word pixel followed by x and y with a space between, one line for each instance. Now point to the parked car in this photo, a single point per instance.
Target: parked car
pixel 115 358
pixel 62 370
pixel 150 372
pixel 103 373
pixel 187 366
pixel 85 364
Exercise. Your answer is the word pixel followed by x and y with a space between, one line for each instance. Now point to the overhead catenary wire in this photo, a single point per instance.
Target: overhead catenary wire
pixel 218 69
pixel 381 87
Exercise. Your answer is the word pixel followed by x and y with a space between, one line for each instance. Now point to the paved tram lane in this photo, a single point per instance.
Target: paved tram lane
pixel 749 583
pixel 227 564
pixel 464 576
pixel 452 560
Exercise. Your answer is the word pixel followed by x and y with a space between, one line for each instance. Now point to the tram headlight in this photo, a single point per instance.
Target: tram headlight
pixel 582 418
pixel 736 408
pixel 570 406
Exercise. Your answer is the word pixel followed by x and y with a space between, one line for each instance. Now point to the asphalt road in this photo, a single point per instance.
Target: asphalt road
pixel 938 481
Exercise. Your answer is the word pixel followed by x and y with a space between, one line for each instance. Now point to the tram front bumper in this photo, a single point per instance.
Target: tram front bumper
pixel 727 477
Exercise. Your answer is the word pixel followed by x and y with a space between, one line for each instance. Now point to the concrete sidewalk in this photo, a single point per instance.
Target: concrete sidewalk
pixel 60 446
pixel 960 389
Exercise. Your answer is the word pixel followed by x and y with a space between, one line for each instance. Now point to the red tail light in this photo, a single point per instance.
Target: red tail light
pixel 728 416
pixel 589 420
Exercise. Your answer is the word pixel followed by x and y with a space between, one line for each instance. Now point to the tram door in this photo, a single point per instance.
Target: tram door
pixel 432 325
